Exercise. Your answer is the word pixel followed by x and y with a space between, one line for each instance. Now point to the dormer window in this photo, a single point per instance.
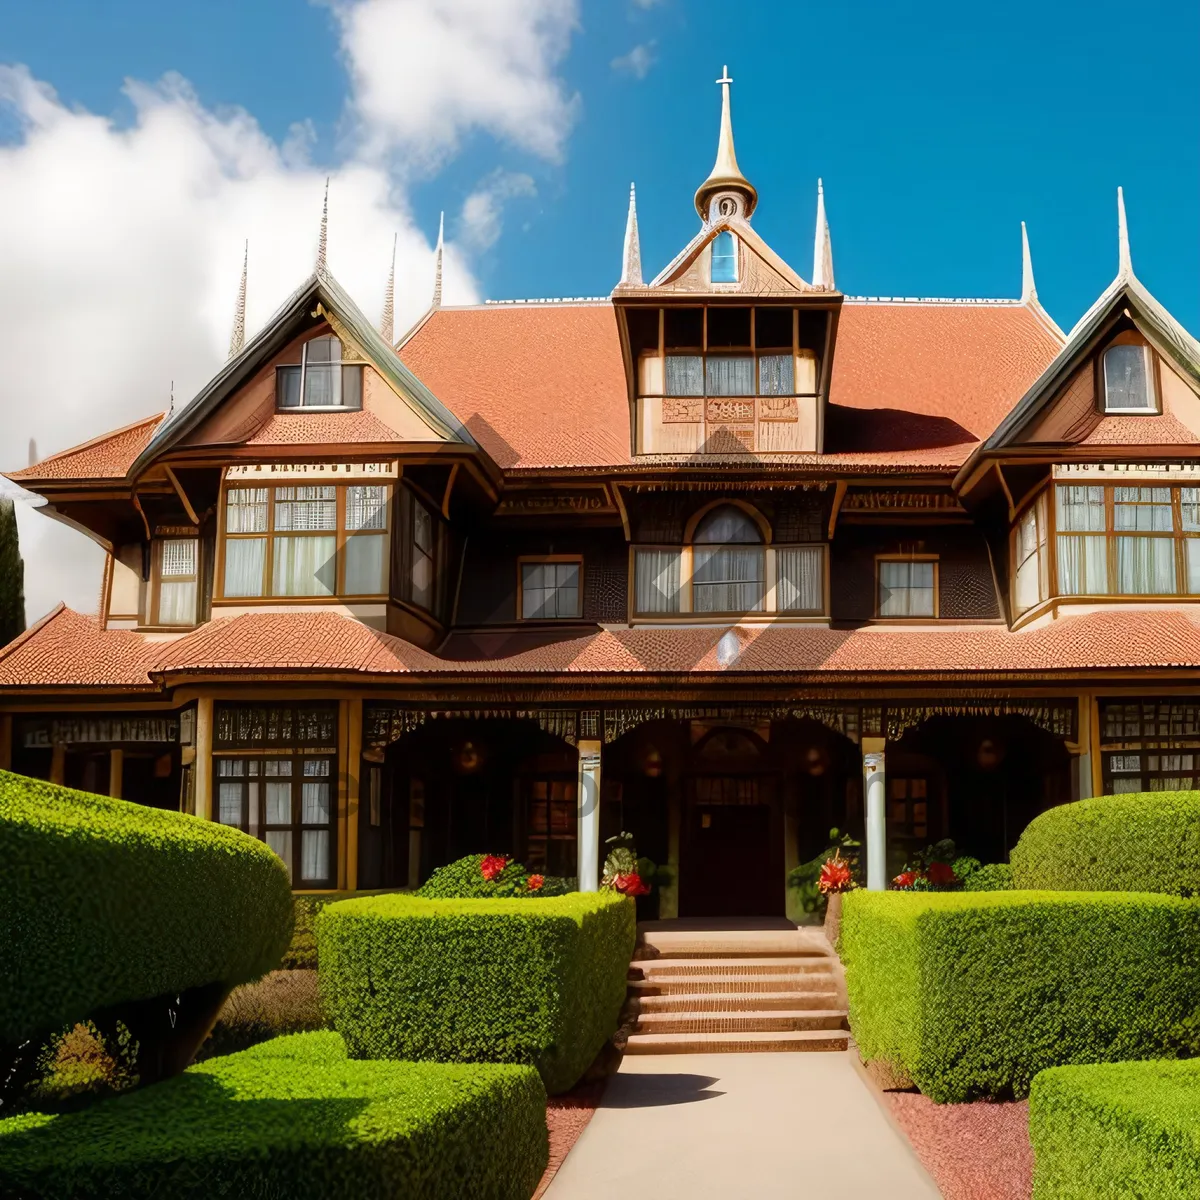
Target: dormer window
pixel 321 380
pixel 724 258
pixel 1128 380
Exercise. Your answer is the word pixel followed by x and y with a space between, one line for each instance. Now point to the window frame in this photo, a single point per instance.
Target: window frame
pixel 341 363
pixel 909 618
pixel 524 560
pixel 1040 506
pixel 1153 392
pixel 153 606
pixel 340 533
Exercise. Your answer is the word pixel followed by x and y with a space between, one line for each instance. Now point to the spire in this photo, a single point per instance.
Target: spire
pixel 437 263
pixel 323 239
pixel 822 276
pixel 237 339
pixel 1125 268
pixel 1028 287
pixel 631 262
pixel 387 321
pixel 171 405
pixel 726 175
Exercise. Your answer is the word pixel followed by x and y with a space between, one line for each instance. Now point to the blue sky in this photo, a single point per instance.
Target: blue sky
pixel 936 127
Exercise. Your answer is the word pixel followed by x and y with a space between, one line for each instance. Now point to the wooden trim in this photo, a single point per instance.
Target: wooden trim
pixel 445 506
pixel 546 558
pixel 342 819
pixel 106 579
pixel 839 494
pixel 937 583
pixel 353 772
pixel 183 498
pixel 6 741
pixel 116 771
pixel 58 763
pixel 203 764
pixel 133 496
pixel 764 526
pixel 619 504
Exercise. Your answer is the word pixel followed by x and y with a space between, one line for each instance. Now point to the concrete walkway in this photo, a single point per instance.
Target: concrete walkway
pixel 738 1126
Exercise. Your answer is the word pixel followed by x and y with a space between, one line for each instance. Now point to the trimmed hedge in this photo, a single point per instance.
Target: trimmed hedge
pixel 1143 842
pixel 106 902
pixel 1116 1130
pixel 293 1117
pixel 993 877
pixel 971 994
pixel 478 980
pixel 464 880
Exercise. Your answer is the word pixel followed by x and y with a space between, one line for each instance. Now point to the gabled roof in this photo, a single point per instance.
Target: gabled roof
pixel 1161 330
pixel 106 457
pixel 322 287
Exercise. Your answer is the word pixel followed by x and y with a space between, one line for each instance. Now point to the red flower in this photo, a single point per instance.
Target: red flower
pixel 835 876
pixel 940 874
pixel 630 884
pixel 905 880
pixel 535 882
pixel 492 865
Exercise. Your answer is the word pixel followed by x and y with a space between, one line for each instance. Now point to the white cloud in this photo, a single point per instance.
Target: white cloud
pixel 483 208
pixel 121 246
pixel 423 72
pixel 638 61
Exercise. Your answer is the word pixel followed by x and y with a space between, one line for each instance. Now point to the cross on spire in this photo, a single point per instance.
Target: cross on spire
pixel 726 79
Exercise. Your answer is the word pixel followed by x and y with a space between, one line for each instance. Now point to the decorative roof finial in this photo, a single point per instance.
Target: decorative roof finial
pixel 171 406
pixel 437 263
pixel 323 240
pixel 726 175
pixel 822 247
pixel 631 262
pixel 1028 287
pixel 1125 268
pixel 237 339
pixel 387 321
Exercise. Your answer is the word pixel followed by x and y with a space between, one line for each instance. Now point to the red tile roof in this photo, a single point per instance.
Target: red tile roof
pixel 316 428
pixel 70 650
pixel 107 457
pixel 543 385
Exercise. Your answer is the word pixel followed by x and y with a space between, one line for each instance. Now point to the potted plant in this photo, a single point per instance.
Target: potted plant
pixel 835 880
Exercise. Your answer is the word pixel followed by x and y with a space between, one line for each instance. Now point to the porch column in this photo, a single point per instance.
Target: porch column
pixel 116 769
pixel 588 800
pixel 6 736
pixel 875 803
pixel 202 770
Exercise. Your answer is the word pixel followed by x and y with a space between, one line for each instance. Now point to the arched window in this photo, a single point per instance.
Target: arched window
pixel 728 563
pixel 724 258
pixel 1128 379
pixel 320 379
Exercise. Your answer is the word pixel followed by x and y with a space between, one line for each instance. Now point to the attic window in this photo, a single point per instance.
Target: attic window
pixel 724 258
pixel 320 380
pixel 1128 376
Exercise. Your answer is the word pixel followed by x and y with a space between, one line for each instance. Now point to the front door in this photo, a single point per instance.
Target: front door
pixel 729 866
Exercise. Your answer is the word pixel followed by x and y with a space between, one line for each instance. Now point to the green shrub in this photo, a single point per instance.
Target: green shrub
pixel 1145 842
pixel 463 879
pixel 994 877
pixel 281 1002
pixel 971 994
pixel 478 980
pixel 1116 1130
pixel 106 902
pixel 293 1117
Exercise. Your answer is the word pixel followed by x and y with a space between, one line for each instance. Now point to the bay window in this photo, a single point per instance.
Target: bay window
pixel 1031 557
pixel 305 540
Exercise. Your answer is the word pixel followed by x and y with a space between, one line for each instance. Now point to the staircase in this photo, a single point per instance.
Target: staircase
pixel 701 991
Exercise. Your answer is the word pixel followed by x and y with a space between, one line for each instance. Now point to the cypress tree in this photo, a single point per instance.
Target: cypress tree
pixel 12 576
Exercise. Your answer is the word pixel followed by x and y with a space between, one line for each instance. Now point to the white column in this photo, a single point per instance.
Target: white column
pixel 875 802
pixel 588 834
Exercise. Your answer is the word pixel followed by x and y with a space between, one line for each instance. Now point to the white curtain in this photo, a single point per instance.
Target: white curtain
pixel 799 581
pixel 279 802
pixel 177 603
pixel 314 855
pixel 366 507
pixel 244 562
pixel 304 566
pixel 364 565
pixel 728 375
pixel 1145 566
pixel 906 589
pixel 246 510
pixel 314 802
pixel 727 579
pixel 230 805
pixel 280 840
pixel 1191 564
pixel 685 375
pixel 656 581
pixel 1082 566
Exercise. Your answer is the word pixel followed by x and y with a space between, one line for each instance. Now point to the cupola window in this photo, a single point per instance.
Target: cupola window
pixel 1128 380
pixel 724 258
pixel 320 380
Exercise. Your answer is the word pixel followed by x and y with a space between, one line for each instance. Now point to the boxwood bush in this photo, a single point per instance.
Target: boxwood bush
pixel 293 1117
pixel 478 980
pixel 1116 1130
pixel 971 994
pixel 1144 842
pixel 125 914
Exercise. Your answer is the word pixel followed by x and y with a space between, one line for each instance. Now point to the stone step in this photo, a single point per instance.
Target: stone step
pixel 775 1021
pixel 675 942
pixel 652 968
pixel 665 985
pixel 737 1001
pixel 737 1043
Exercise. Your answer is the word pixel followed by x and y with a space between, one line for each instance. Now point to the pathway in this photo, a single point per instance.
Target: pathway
pixel 739 1126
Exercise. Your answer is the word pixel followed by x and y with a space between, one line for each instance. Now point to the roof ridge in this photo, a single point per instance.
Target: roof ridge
pixel 970 301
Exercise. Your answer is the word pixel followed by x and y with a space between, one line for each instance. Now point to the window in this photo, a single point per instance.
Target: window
pixel 1031 560
pixel 176 585
pixel 728 563
pixel 307 540
pixel 800 579
pixel 724 258
pixel 1082 556
pixel 907 587
pixel 321 379
pixel 550 589
pixel 423 555
pixel 1128 380
pixel 553 820
pixel 657 577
